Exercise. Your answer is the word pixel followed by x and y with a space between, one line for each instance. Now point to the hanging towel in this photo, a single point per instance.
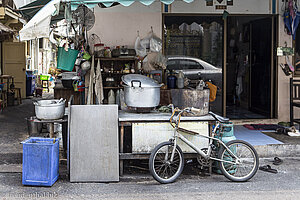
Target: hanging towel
pixel 212 91
pixel 98 84
pixel 90 98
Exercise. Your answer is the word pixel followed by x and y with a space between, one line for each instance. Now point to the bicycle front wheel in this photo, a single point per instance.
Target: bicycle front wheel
pixel 245 167
pixel 160 165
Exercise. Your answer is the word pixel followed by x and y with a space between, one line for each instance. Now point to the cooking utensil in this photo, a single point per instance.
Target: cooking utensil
pixel 141 91
pixel 86 65
pixel 49 109
pixel 110 82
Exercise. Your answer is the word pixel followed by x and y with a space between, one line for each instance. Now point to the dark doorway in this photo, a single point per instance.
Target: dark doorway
pixel 249 60
pixel 260 69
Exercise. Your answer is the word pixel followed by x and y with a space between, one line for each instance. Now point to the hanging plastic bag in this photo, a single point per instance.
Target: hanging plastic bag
pixel 139 49
pixel 145 42
pixel 155 43
pixel 151 42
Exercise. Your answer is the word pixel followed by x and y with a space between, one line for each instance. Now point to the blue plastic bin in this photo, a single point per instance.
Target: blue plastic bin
pixel 40 161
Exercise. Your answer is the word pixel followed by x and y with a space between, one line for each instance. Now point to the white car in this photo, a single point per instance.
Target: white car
pixel 195 69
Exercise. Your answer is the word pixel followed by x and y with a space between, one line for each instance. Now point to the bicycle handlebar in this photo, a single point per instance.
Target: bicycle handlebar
pixel 195 110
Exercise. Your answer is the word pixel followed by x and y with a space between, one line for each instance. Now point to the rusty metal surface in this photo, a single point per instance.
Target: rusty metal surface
pixel 183 98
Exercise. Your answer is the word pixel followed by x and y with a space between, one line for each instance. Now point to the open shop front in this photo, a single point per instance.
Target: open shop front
pixel 244 42
pixel 96 130
pixel 196 46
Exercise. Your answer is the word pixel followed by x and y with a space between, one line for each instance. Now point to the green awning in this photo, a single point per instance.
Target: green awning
pixel 29 10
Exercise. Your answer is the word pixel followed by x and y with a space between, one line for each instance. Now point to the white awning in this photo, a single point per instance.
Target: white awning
pixel 20 3
pixel 39 25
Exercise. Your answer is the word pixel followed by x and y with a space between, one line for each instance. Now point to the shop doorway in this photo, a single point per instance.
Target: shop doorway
pixel 195 45
pixel 250 74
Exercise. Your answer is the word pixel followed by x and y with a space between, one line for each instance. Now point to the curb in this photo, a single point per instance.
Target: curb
pixel 281 150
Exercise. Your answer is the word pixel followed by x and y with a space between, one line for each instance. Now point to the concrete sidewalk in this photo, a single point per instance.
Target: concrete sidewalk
pixel 264 185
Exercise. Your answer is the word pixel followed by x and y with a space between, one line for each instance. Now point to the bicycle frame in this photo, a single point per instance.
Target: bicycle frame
pixel 199 151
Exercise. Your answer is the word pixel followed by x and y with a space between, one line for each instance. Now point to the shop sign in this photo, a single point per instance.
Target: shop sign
pixel 285 51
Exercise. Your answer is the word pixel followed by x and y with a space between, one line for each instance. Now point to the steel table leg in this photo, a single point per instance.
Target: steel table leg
pixel 121 148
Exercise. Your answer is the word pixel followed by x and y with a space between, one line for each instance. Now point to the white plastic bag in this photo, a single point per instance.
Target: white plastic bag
pixel 145 42
pixel 155 43
pixel 139 49
pixel 150 43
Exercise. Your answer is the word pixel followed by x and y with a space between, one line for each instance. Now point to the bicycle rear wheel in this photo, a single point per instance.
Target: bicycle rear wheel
pixel 160 166
pixel 245 167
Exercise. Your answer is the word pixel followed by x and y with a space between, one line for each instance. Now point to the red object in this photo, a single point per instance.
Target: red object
pixel 80 87
pixel 99 44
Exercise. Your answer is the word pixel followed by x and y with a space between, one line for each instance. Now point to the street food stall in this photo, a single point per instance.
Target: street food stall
pixel 114 89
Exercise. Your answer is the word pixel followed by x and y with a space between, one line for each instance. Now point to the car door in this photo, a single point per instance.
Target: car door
pixel 191 69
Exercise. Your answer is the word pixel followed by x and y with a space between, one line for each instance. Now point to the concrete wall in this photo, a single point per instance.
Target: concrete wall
pixel 118 25
pixel 239 7
pixel 283 81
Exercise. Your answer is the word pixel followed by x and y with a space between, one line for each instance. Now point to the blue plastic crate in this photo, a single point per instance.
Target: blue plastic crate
pixel 40 161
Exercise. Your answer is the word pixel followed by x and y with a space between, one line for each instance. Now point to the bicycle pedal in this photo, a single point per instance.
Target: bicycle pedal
pixel 189 161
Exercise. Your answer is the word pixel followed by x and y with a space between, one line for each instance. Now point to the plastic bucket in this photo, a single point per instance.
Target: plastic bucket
pixel 40 161
pixel 66 59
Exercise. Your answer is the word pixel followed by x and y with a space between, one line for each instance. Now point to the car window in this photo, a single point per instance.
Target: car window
pixel 173 65
pixel 190 64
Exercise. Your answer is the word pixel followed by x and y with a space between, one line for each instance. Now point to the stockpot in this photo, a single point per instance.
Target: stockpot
pixel 141 91
pixel 49 109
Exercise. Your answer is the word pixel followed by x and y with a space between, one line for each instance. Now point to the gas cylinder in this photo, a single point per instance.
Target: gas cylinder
pixel 225 134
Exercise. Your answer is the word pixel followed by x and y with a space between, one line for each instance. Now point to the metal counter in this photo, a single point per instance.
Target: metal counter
pixel 155 118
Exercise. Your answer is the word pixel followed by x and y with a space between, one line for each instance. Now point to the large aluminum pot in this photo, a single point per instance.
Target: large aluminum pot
pixel 141 91
pixel 50 109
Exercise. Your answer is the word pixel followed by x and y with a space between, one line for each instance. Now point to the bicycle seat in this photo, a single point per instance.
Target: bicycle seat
pixel 218 117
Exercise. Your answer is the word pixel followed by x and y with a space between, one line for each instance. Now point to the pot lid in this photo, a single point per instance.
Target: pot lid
pixel 137 79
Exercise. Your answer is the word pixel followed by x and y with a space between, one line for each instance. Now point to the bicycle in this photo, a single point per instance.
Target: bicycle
pixel 237 160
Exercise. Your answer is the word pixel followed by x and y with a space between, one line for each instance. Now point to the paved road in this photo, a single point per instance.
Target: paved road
pixel 284 185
